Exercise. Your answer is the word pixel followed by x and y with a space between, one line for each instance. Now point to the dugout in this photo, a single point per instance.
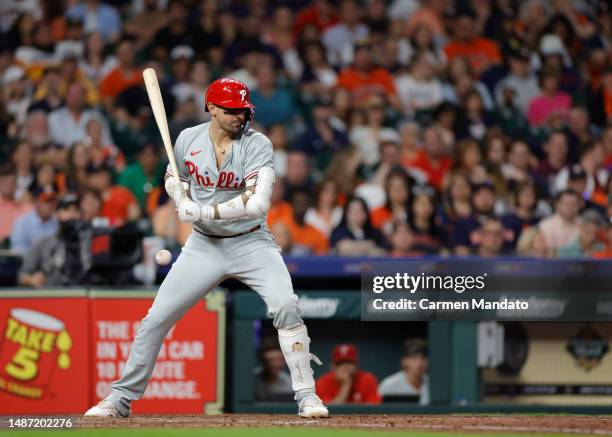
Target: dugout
pixel 563 366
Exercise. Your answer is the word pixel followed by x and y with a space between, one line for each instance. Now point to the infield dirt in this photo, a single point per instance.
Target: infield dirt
pixel 599 425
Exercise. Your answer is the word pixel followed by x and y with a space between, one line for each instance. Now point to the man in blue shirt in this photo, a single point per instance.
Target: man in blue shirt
pixel 37 224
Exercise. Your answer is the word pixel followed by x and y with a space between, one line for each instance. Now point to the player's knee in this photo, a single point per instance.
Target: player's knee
pixel 286 313
pixel 154 323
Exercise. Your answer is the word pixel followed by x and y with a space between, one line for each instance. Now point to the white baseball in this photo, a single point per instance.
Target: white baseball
pixel 163 257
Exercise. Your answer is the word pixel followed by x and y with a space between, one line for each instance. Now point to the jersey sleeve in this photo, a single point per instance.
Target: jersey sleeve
pixel 259 153
pixel 180 148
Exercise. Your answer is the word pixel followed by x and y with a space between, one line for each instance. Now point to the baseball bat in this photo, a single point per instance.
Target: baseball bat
pixel 157 104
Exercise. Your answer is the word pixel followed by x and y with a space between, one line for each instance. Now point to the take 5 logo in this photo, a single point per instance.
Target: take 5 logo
pixel 227 179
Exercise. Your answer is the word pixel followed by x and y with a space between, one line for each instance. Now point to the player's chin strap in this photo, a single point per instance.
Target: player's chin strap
pixel 259 202
pixel 295 345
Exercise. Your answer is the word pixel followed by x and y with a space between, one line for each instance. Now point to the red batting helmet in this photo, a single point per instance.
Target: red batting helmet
pixel 228 93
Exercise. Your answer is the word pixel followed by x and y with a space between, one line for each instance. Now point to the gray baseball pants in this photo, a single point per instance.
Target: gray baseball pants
pixel 204 262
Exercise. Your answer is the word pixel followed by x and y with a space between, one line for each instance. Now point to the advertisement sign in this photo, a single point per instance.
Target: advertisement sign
pixel 44 348
pixel 188 375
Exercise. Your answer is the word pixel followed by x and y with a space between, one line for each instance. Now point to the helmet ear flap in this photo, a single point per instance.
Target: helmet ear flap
pixel 248 118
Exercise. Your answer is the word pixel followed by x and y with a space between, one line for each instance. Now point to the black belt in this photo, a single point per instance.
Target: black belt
pixel 256 228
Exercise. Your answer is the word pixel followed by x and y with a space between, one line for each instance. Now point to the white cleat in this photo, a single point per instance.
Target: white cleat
pixel 311 406
pixel 104 408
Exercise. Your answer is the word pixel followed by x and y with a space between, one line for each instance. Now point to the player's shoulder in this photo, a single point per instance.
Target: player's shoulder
pixel 253 138
pixel 190 133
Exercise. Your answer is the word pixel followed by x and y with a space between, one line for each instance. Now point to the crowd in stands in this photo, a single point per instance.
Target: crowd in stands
pixel 400 127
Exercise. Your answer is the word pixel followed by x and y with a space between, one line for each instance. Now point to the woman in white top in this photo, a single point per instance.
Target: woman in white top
pixel 326 214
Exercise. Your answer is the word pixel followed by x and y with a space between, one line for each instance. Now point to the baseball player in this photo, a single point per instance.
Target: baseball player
pixel 224 187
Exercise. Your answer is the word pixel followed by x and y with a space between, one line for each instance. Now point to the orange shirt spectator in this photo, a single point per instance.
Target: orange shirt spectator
pixel 480 53
pixel 118 201
pixel 435 170
pixel 116 81
pixel 333 387
pixel 308 236
pixel 320 15
pixel 380 216
pixel 282 211
pixel 362 83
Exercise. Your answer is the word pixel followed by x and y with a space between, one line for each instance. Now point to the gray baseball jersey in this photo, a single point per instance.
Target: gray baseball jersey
pixel 196 162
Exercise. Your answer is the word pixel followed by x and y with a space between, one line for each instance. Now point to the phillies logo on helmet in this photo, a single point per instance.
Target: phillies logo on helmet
pixel 228 93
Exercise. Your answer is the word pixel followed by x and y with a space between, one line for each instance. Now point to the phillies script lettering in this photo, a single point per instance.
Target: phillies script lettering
pixel 227 179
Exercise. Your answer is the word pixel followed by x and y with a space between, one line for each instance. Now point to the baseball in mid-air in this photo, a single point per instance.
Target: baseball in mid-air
pixel 163 257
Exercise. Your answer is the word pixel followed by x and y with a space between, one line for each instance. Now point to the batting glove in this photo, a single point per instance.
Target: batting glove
pixel 188 211
pixel 176 189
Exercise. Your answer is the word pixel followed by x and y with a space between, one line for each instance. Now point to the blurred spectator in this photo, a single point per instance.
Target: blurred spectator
pixel 520 85
pixel 398 186
pixel 346 383
pixel 587 241
pixel 101 152
pixel 518 168
pixel 523 213
pixel 490 238
pixel 144 174
pixel 355 235
pixel 59 258
pixel 96 64
pixel 144 24
pixel 322 139
pixel 325 214
pixel 551 108
pixel 36 129
pixel 23 161
pixel 320 15
pixel 556 152
pixel 428 238
pixel 98 17
pixel 431 16
pixel 599 100
pixel 473 120
pixel 432 159
pixel 412 380
pixel 481 53
pixel 37 224
pixel 280 209
pixel 305 239
pixel 606 253
pixel 274 104
pixel 464 236
pixel 176 32
pixel 369 135
pixel 11 208
pixel 272 381
pixel 591 164
pixel 119 204
pixel 68 124
pixel 124 75
pixel 91 207
pixel 363 78
pixel 339 38
pixel 468 159
pixel 402 241
pixel 78 160
pixel 16 95
pixel 419 90
pixel 532 244
pixel 563 226
pixel 318 78
pixel 298 172
pixel 579 132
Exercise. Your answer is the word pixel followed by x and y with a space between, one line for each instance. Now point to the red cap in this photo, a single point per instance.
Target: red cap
pixel 344 353
pixel 228 93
